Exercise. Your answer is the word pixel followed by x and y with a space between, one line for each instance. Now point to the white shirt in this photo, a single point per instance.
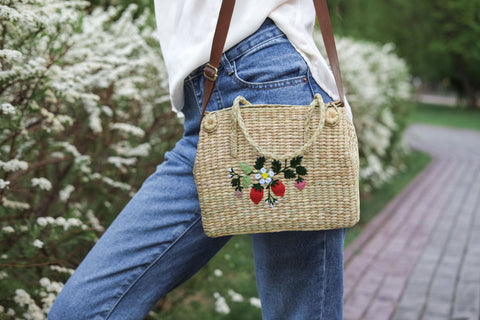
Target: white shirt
pixel 186 28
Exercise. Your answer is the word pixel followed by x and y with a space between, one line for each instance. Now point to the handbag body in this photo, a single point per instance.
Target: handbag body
pixel 254 178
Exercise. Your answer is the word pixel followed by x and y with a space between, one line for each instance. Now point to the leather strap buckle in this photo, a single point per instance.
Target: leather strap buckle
pixel 210 72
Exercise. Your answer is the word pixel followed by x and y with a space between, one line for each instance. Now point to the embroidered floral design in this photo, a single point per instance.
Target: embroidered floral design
pixel 267 179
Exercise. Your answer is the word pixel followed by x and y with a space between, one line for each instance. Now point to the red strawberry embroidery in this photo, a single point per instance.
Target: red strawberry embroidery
pixel 256 195
pixel 278 188
pixel 300 185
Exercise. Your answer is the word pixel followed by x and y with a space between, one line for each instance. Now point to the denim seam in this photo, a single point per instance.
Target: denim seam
pixel 151 264
pixel 269 84
pixel 190 82
pixel 325 246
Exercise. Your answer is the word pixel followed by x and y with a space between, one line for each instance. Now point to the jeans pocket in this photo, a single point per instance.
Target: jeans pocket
pixel 270 64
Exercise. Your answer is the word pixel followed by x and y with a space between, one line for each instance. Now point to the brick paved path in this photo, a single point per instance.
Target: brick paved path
pixel 420 257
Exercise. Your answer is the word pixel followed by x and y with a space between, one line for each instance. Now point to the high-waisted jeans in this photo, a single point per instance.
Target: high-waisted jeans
pixel 157 241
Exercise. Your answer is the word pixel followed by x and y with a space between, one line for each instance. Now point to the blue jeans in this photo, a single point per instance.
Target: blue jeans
pixel 157 241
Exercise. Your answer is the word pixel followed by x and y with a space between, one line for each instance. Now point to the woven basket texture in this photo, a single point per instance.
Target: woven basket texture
pixel 330 197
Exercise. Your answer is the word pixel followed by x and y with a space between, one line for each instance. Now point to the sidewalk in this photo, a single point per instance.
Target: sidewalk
pixel 420 257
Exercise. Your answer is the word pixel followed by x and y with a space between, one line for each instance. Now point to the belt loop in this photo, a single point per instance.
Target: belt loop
pixel 226 64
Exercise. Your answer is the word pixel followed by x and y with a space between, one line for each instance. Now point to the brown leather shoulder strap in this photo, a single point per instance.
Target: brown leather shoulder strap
pixel 327 34
pixel 220 37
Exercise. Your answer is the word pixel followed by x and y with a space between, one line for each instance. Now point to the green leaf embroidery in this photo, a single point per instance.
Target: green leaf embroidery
pixel 257 187
pixel 246 181
pixel 276 166
pixel 301 171
pixel 296 161
pixel 246 168
pixel 289 174
pixel 235 182
pixel 259 163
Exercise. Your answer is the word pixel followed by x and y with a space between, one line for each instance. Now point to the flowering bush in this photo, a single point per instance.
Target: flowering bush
pixel 84 119
pixel 378 88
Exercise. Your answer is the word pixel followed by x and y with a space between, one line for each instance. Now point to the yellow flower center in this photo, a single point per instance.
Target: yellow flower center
pixel 265 175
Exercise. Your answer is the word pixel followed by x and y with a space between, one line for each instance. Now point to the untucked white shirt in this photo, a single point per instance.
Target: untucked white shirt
pixel 186 28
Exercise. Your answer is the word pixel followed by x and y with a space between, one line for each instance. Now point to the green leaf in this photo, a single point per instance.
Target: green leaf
pixel 289 174
pixel 246 168
pixel 236 182
pixel 276 166
pixel 301 170
pixel 257 187
pixel 259 163
pixel 246 181
pixel 296 161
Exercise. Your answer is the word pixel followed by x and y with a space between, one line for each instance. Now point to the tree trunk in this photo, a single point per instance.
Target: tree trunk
pixel 467 87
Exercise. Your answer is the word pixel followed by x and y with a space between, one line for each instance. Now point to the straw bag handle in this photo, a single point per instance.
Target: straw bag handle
pixel 237 120
pixel 221 30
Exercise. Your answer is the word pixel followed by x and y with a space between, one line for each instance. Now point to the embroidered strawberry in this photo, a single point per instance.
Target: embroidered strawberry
pixel 278 188
pixel 256 194
pixel 239 193
pixel 300 185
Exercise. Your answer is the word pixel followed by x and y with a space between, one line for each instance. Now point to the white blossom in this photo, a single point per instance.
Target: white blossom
pixel 23 299
pixel 14 165
pixel 94 222
pixel 62 269
pixel 126 150
pixel 8 229
pixel 42 221
pixel 221 305
pixel 218 272
pixel 38 243
pixel 14 204
pixel 128 128
pixel 65 193
pixel 7 108
pixel 42 183
pixel 4 184
pixel 235 296
pixel 255 302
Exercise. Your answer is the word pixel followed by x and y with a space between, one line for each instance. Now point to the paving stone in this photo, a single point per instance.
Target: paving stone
pixel 434 316
pixel 466 303
pixel 406 313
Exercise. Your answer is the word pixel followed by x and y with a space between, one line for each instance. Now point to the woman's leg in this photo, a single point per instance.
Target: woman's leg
pixel 299 274
pixel 155 243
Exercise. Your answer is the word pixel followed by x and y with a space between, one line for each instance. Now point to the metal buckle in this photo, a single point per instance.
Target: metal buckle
pixel 212 72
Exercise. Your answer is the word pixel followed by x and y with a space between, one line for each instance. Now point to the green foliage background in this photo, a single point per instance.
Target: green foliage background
pixel 437 38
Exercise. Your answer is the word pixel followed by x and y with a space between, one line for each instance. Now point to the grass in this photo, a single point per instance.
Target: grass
pixel 445 116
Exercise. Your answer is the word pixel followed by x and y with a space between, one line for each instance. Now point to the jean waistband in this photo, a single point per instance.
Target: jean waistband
pixel 266 31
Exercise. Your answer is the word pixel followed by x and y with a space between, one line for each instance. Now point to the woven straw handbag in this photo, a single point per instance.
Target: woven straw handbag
pixel 253 179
